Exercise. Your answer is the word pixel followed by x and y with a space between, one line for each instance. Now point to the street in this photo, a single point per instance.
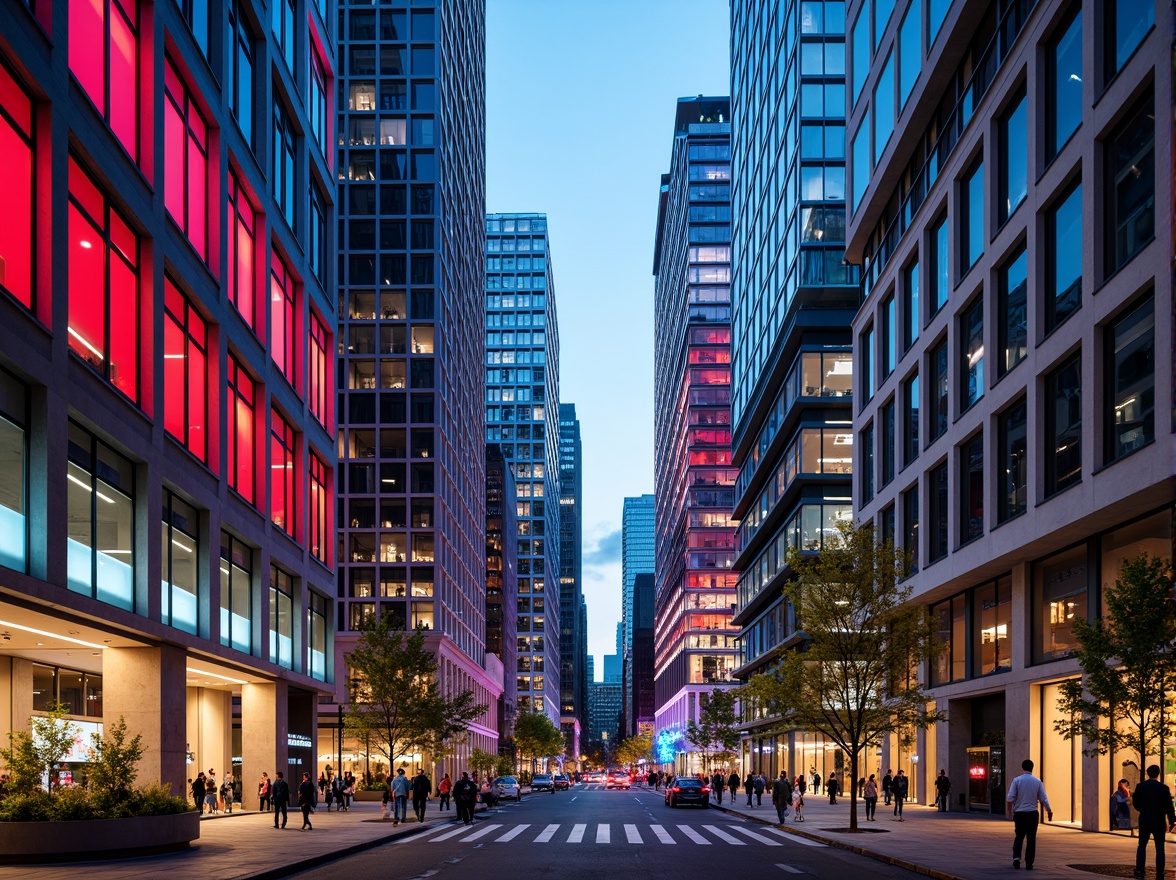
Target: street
pixel 590 832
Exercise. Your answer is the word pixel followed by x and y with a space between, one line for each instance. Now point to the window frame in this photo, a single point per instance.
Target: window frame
pixel 242 399
pixel 1111 409
pixel 283 494
pixel 1012 459
pixel 1054 484
pixel 24 130
pixel 193 330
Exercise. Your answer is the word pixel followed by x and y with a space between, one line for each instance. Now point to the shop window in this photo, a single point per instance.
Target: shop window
pixel 1013 305
pixel 992 621
pixel 104 57
pixel 319 509
pixel 1130 168
pixel 1063 426
pixel 14 452
pixel 180 534
pixel 320 369
pixel 236 594
pixel 103 285
pixel 1060 585
pixel 100 545
pixel 950 621
pixel 283 487
pixel 1012 462
pixel 79 693
pixel 17 241
pixel 1063 74
pixel 241 71
pixel 185 372
pixel 185 161
pixel 971 489
pixel 242 423
pixel 242 274
pixel 283 320
pixel 1130 394
pixel 281 614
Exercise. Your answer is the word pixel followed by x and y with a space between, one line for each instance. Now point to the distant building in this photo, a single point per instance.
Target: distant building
pixel 604 712
pixel 641 706
pixel 501 580
pixel 637 555
pixel 572 656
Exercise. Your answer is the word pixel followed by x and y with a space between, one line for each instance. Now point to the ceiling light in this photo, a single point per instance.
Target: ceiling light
pixel 41 632
pixel 216 675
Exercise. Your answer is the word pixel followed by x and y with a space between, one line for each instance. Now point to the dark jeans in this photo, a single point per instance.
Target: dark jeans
pixel 280 808
pixel 465 810
pixel 264 804
pixel 719 793
pixel 942 801
pixel 898 799
pixel 1156 833
pixel 782 812
pixel 871 806
pixel 759 798
pixel 886 797
pixel 418 806
pixel 306 808
pixel 1025 825
pixel 444 801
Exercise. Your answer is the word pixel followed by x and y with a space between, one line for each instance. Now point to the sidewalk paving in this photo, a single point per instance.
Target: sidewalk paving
pixel 957 845
pixel 246 845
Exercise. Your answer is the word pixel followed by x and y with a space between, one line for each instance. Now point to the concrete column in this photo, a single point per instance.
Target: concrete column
pixel 145 686
pixel 264 729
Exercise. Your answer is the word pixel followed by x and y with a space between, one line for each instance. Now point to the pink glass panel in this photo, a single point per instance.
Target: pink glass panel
pixel 15 102
pixel 124 330
pixel 87 295
pixel 84 192
pixel 197 195
pixel 173 161
pixel 87 48
pixel 124 81
pixel 197 395
pixel 16 219
pixel 174 371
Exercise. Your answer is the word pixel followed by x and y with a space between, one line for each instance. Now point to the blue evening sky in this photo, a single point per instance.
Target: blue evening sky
pixel 580 99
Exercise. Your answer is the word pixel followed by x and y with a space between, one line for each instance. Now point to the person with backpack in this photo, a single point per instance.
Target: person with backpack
pixel 758 785
pixel 226 792
pixel 444 787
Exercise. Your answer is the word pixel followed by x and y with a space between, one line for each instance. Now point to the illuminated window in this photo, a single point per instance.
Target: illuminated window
pixel 319 533
pixel 236 594
pixel 104 56
pixel 242 419
pixel 316 636
pixel 180 563
pixel 281 641
pixel 100 545
pixel 242 251
pixel 103 285
pixel 320 369
pixel 16 182
pixel 1063 426
pixel 185 372
pixel 1060 595
pixel 14 451
pixel 283 344
pixel 185 161
pixel 283 501
pixel 320 129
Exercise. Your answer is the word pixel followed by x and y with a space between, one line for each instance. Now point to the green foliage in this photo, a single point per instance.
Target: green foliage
pixel 503 766
pixel 633 749
pixel 395 700
pixel 33 756
pixel 157 800
pixel 79 803
pixel 536 736
pixel 1128 666
pixel 113 761
pixel 482 762
pixel 716 733
pixel 36 806
pixel 75 803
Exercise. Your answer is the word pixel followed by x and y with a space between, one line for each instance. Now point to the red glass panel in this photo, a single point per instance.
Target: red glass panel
pixel 282 319
pixel 282 497
pixel 87 290
pixel 124 331
pixel 319 347
pixel 198 397
pixel 16 103
pixel 87 48
pixel 174 370
pixel 124 77
pixel 185 369
pixel 241 251
pixel 83 191
pixel 16 183
pixel 197 194
pixel 125 241
pixel 173 157
pixel 319 545
pixel 241 448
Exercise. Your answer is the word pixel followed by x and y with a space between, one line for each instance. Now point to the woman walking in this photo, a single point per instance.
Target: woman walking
pixel 263 793
pixel 870 792
pixel 798 801
pixel 444 787
pixel 1121 808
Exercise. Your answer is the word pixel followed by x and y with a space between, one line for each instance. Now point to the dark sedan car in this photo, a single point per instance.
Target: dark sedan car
pixel 542 782
pixel 562 782
pixel 688 790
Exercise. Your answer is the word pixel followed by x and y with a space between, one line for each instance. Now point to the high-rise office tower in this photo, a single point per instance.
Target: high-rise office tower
pixel 501 580
pixel 1012 212
pixel 693 478
pixel 640 708
pixel 411 445
pixel 637 551
pixel 167 317
pixel 571 598
pixel 522 415
pixel 792 300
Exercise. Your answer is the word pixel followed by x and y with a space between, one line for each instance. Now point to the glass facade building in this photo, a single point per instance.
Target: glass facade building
pixel 522 415
pixel 793 297
pixel 695 643
pixel 411 185
pixel 167 316
pixel 501 580
pixel 637 555
pixel 1026 188
pixel 572 635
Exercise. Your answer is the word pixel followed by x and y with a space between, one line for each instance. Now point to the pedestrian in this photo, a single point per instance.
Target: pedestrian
pixel 1153 800
pixel 264 787
pixel 465 795
pixel 942 791
pixel 782 797
pixel 887 787
pixel 198 792
pixel 226 793
pixel 280 791
pixel 306 801
pixel 210 790
pixel 421 787
pixel 732 785
pixel 1121 808
pixel 323 779
pixel 400 789
pixel 348 789
pixel 1025 792
pixel 4 785
pixel 816 782
pixel 798 805
pixel 749 787
pixel 443 788
pixel 800 784
pixel 718 783
pixel 832 786
pixel 870 794
pixel 386 802
pixel 899 787
pixel 759 784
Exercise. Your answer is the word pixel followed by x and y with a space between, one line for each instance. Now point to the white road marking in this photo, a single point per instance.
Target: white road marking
pixel 481 832
pixel 577 835
pixel 791 870
pixel 693 835
pixel 755 836
pixel 662 834
pixel 602 834
pixel 632 834
pixel 795 838
pixel 547 834
pixel 513 833
pixel 463 829
pixel 723 835
pixel 410 837
pixel 573 799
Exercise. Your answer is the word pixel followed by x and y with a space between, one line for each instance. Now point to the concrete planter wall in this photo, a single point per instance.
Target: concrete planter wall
pixel 23 843
pixel 370 796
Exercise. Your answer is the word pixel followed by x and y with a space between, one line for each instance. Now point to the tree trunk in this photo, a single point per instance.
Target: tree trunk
pixel 853 790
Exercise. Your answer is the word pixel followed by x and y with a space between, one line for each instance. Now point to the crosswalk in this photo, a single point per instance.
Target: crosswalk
pixel 602 834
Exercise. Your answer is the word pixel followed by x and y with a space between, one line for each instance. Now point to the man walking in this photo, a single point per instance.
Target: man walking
pixel 280 791
pixel 421 787
pixel 1025 793
pixel 1153 799
pixel 942 790
pixel 733 785
pixel 899 786
pixel 782 797
pixel 887 787
pixel 465 795
pixel 307 795
pixel 400 790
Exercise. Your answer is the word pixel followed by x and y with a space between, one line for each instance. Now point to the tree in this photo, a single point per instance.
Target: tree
pixel 396 702
pixel 716 733
pixel 482 762
pixel 114 761
pixel 537 737
pixel 635 748
pixel 32 757
pixel 852 681
pixel 1128 665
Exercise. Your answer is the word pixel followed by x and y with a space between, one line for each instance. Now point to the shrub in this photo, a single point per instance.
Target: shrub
pixel 30 807
pixel 74 803
pixel 157 800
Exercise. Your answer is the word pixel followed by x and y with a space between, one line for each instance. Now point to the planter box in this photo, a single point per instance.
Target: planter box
pixel 373 797
pixel 23 843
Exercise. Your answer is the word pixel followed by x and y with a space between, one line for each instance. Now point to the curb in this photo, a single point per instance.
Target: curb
pixel 934 873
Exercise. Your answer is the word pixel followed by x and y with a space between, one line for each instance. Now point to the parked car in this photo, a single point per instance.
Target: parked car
pixel 562 783
pixel 542 782
pixel 508 787
pixel 687 790
pixel 618 779
pixel 595 776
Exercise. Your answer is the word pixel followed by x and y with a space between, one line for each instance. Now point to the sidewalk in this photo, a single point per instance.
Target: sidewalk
pixel 957 845
pixel 246 845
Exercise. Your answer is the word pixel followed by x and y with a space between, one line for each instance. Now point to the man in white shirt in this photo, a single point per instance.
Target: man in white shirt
pixel 1025 793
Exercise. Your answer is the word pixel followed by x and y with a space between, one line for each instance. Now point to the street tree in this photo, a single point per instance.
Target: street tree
pixel 536 737
pixel 482 762
pixel 855 677
pixel 35 756
pixel 1128 661
pixel 715 735
pixel 396 702
pixel 635 749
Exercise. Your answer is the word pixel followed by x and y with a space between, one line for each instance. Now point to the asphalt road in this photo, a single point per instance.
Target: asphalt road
pixel 592 833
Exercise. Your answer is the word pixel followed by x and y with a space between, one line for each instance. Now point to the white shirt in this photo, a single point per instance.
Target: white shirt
pixel 1025 792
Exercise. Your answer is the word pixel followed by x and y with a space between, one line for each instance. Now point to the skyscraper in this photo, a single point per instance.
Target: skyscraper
pixel 571 598
pixel 522 414
pixel 167 314
pixel 693 478
pixel 501 580
pixel 1012 195
pixel 792 300
pixel 411 441
pixel 641 705
pixel 637 550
